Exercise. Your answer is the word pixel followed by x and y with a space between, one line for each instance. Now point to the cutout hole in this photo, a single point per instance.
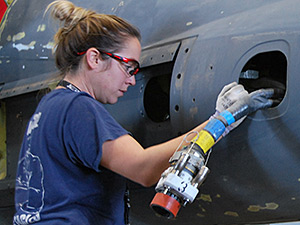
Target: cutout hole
pixel 265 70
pixel 157 93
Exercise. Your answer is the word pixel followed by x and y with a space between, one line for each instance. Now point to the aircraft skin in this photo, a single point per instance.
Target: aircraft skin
pixel 190 50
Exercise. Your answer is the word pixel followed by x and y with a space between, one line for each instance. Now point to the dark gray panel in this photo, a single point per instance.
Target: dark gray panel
pixel 191 49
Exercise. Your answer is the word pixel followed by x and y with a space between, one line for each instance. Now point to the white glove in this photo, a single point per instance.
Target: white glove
pixel 229 95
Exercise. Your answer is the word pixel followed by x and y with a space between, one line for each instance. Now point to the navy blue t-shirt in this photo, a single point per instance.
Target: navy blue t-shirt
pixel 59 177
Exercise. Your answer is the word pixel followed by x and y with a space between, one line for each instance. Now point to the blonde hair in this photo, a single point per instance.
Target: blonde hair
pixel 81 29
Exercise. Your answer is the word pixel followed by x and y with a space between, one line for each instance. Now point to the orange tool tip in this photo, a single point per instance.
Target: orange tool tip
pixel 165 205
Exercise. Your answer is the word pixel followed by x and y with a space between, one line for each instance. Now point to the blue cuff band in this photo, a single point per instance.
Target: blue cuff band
pixel 228 117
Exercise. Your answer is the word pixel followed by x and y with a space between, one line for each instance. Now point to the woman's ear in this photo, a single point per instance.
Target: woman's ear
pixel 93 58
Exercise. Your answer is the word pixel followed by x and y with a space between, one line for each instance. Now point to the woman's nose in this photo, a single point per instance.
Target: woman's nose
pixel 131 80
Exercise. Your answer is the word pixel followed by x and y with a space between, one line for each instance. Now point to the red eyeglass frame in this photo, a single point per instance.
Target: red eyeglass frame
pixel 121 59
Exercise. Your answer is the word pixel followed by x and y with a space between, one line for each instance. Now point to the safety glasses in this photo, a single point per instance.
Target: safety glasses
pixel 131 66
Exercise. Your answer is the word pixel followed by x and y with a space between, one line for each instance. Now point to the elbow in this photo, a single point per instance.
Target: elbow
pixel 147 181
pixel 148 184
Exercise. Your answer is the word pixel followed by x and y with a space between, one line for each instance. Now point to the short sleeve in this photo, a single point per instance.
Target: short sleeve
pixel 86 127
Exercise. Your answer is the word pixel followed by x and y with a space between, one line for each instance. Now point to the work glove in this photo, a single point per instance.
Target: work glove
pixel 260 99
pixel 227 97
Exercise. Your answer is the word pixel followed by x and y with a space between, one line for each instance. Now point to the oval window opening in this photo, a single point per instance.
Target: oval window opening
pixel 157 98
pixel 265 70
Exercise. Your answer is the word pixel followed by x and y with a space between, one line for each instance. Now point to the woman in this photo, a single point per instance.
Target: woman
pixel 75 157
